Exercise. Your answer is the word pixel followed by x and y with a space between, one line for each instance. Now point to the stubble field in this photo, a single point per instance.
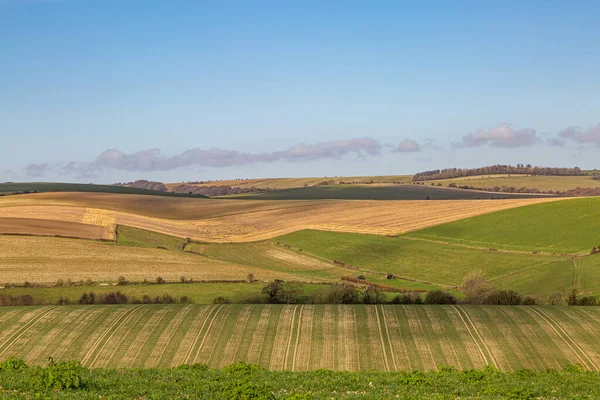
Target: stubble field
pixel 212 220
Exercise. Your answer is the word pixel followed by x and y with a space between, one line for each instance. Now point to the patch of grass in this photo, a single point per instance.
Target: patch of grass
pixel 424 261
pixel 568 226
pixel 129 236
pixel 198 293
pixel 372 192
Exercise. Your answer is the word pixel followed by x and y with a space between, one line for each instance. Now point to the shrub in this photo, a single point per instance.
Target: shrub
pixel 121 281
pixel 87 298
pixel 373 295
pixel 221 300
pixel 272 290
pixel 555 299
pixel 250 278
pixel 113 298
pixel 407 298
pixel 290 292
pixel 529 301
pixel 337 294
pixel 476 288
pixel 160 280
pixel 439 297
pixel 67 375
pixel 12 364
pixel 504 297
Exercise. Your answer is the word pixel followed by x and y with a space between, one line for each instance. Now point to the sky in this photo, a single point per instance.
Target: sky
pixel 172 90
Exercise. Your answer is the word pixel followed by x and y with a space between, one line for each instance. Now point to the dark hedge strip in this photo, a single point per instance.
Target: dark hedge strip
pixel 69 380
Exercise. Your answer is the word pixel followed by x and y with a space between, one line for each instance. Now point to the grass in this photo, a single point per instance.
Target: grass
pixel 198 293
pixel 305 337
pixel 375 192
pixel 570 226
pixel 128 236
pixel 542 183
pixel 247 381
pixel 43 187
pixel 425 261
pixel 226 221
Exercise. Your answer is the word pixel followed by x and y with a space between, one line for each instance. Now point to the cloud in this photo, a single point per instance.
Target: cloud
pixel 501 136
pixel 408 146
pixel 555 142
pixel 154 160
pixel 37 170
pixel 576 134
pixel 81 171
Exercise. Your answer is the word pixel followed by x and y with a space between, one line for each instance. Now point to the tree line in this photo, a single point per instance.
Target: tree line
pixel 450 173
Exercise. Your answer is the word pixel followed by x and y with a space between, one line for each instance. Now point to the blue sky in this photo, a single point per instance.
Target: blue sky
pixel 106 91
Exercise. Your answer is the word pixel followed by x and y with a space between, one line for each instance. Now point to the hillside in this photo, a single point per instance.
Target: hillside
pixel 222 221
pixel 569 226
pixel 541 183
pixel 376 192
pixel 48 187
pixel 438 264
pixel 305 337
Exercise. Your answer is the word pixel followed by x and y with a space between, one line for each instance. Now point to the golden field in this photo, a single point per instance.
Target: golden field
pixel 231 221
pixel 48 259
pixel 291 183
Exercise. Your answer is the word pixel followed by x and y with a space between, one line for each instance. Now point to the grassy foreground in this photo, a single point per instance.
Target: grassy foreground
pixel 305 337
pixel 243 381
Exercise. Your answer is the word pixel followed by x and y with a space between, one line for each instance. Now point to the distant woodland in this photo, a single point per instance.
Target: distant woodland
pixel 450 173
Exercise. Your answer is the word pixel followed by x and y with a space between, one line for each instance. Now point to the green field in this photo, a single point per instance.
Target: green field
pixel 567 227
pixel 432 262
pixel 305 337
pixel 244 381
pixel 197 292
pixel 43 187
pixel 375 192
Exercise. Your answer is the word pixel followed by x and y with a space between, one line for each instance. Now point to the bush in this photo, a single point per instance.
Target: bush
pixel 373 295
pixel 66 375
pixel 121 281
pixel 221 300
pixel 504 298
pixel 439 297
pixel 12 364
pixel 113 298
pixel 160 280
pixel 337 294
pixel 407 298
pixel 87 298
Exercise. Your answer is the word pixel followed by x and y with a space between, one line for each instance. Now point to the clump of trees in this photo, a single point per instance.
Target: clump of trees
pixel 528 169
pixel 478 290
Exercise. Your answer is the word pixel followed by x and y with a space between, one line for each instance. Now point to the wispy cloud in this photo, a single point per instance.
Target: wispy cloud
pixel 154 160
pixel 501 136
pixel 408 146
pixel 576 134
pixel 37 170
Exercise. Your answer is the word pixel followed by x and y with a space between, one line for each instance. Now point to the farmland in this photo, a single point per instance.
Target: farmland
pixel 379 192
pixel 439 264
pixel 49 187
pixel 564 227
pixel 305 337
pixel 542 183
pixel 48 259
pixel 222 221
pixel 291 183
